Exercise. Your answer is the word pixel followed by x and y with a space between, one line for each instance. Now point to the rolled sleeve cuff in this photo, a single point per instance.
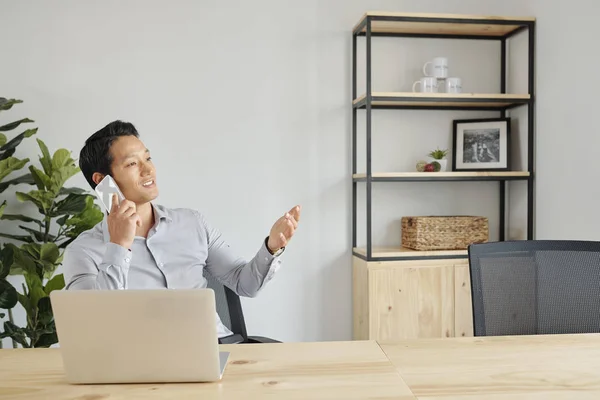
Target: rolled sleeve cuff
pixel 270 261
pixel 116 255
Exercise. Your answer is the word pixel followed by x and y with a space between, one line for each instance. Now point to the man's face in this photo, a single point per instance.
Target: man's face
pixel 133 170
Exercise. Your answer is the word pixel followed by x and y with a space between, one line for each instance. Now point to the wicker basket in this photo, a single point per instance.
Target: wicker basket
pixel 443 232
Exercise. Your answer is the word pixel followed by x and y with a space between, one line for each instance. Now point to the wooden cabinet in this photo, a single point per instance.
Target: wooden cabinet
pixel 411 299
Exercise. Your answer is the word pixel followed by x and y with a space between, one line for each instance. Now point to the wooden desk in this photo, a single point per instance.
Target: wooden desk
pixel 330 370
pixel 526 367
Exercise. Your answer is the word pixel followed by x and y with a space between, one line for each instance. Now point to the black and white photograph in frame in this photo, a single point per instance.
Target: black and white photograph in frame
pixel 481 144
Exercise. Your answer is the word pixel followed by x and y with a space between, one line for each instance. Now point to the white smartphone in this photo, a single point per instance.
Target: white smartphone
pixel 105 191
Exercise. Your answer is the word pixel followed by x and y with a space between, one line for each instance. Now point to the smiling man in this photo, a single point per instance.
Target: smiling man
pixel 142 245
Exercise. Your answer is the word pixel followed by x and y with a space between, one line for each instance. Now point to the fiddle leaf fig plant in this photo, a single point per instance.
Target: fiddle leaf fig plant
pixel 9 165
pixel 63 214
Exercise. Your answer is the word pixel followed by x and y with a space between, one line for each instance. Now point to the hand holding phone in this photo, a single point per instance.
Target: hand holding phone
pixel 122 217
pixel 122 222
pixel 105 191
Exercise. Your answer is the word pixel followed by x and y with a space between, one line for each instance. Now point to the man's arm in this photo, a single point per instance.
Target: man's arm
pixel 245 278
pixel 81 271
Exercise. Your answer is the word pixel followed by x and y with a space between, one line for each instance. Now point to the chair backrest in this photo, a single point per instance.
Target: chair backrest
pixel 229 306
pixel 535 287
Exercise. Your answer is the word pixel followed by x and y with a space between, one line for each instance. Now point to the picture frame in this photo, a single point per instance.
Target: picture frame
pixel 481 144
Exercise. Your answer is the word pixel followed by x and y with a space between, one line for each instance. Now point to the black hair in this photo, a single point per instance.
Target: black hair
pixel 95 154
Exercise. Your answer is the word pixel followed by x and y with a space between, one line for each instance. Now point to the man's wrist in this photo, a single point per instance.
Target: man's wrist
pixel 271 250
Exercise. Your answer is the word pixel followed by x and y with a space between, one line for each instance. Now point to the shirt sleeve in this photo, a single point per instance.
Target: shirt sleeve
pixel 81 271
pixel 245 278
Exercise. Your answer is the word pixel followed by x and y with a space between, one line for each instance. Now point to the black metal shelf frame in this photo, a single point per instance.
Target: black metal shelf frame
pixel 367 105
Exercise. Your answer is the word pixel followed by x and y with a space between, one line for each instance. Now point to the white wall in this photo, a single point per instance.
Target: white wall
pixel 567 105
pixel 245 106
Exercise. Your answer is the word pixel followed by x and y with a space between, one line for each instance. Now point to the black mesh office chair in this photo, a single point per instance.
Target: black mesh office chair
pixel 535 287
pixel 229 308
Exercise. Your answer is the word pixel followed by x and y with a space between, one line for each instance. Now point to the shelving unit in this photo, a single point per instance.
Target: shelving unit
pixel 448 26
pixel 397 292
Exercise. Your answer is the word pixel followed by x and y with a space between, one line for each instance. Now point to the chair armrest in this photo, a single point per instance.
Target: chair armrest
pixel 231 339
pixel 261 339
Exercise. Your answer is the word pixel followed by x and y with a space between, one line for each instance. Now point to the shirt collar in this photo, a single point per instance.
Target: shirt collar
pixel 160 213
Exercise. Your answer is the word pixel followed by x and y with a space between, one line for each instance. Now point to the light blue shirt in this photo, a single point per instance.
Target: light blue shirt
pixel 179 248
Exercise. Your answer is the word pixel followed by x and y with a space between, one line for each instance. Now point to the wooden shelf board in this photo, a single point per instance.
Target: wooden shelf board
pixel 441 175
pixel 384 252
pixel 474 100
pixel 443 24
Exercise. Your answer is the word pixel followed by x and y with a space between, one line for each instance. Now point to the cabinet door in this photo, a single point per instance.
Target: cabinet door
pixel 411 300
pixel 463 310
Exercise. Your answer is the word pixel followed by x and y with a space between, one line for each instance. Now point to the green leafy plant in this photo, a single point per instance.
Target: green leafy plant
pixel 64 214
pixel 438 154
pixel 8 165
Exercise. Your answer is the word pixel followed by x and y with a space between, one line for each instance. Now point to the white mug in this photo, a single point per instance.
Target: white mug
pixel 453 85
pixel 439 67
pixel 428 84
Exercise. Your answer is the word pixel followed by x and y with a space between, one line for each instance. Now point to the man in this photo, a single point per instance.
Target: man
pixel 141 245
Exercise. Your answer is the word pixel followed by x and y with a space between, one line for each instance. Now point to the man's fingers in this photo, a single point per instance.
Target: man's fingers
pixel 291 224
pixel 283 240
pixel 114 204
pixel 126 206
pixel 293 221
pixel 295 212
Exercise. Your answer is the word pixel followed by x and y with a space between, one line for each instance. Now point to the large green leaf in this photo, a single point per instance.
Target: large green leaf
pixel 42 180
pixel 86 219
pixel 2 207
pixel 49 252
pixel 24 265
pixel 6 260
pixel 14 125
pixel 10 146
pixel 16 333
pixel 41 198
pixel 8 295
pixel 61 175
pixel 2 139
pixel 61 221
pixel 72 190
pixel 72 204
pixel 20 238
pixel 35 287
pixel 26 179
pixel 56 283
pixel 33 249
pixel 22 218
pixel 45 316
pixel 6 104
pixel 25 302
pixel 61 158
pixel 45 159
pixel 11 164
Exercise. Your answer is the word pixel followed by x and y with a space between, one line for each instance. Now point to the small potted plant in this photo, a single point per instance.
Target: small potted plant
pixel 439 156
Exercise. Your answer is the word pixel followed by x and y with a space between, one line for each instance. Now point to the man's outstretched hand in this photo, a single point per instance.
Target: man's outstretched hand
pixel 283 229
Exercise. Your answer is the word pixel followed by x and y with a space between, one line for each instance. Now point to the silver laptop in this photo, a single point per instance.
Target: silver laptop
pixel 135 336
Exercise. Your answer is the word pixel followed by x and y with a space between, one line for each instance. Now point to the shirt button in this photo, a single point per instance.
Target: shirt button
pixel 127 259
pixel 161 265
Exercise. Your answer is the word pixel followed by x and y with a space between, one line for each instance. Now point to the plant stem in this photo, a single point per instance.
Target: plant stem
pixel 47 229
pixel 10 318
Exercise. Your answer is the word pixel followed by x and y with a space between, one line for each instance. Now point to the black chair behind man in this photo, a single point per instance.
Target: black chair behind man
pixel 535 287
pixel 229 308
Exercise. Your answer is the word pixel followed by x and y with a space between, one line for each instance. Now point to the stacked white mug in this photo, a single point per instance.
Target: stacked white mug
pixel 438 70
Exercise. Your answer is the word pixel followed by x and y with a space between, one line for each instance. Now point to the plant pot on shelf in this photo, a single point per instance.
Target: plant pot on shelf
pixel 443 163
